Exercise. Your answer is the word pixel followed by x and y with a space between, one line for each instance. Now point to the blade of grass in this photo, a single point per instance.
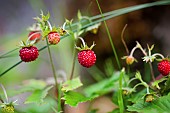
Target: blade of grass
pixel 110 38
pixel 10 68
pixel 5 54
pixel 120 98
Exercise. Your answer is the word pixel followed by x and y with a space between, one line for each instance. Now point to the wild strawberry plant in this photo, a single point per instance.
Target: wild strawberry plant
pixel 126 95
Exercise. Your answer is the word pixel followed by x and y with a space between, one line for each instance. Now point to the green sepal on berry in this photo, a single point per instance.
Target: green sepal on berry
pixel 7 108
pixel 85 47
pixel 46 27
pixel 27 44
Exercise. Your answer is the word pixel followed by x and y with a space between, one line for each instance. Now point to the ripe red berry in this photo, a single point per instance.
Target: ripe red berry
pixel 87 58
pixel 28 54
pixel 34 35
pixel 53 38
pixel 164 67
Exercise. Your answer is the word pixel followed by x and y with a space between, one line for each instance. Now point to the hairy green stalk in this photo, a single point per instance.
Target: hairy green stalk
pixel 51 62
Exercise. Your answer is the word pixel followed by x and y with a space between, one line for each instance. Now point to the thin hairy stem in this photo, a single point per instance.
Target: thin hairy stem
pixel 51 62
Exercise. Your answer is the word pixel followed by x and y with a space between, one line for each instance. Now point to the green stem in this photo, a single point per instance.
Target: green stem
pixel 110 38
pixel 152 72
pixel 52 64
pixel 132 79
pixel 4 55
pixel 73 64
pixel 147 90
pixel 59 99
pixel 10 68
pixel 137 85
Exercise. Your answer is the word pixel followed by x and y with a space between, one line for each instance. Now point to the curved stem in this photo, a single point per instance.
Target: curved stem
pixel 133 50
pixel 131 80
pixel 33 35
pixel 50 26
pixel 158 54
pixel 6 96
pixel 123 41
pixel 82 40
pixel 137 85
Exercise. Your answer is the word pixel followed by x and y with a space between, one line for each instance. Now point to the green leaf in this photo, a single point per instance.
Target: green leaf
pixel 160 105
pixel 46 17
pixel 79 15
pixel 46 107
pixel 38 96
pixel 156 82
pixel 28 86
pixel 104 86
pixel 71 84
pixel 73 98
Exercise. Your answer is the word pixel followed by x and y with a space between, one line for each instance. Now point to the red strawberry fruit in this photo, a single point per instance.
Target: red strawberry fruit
pixel 28 54
pixel 53 38
pixel 87 58
pixel 164 67
pixel 34 35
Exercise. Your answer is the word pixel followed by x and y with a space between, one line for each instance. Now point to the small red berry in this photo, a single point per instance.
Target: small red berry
pixel 53 38
pixel 28 54
pixel 34 35
pixel 87 58
pixel 164 67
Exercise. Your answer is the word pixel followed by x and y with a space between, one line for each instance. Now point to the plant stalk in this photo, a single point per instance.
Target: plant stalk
pixel 73 64
pixel 110 38
pixel 152 72
pixel 59 99
pixel 51 62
